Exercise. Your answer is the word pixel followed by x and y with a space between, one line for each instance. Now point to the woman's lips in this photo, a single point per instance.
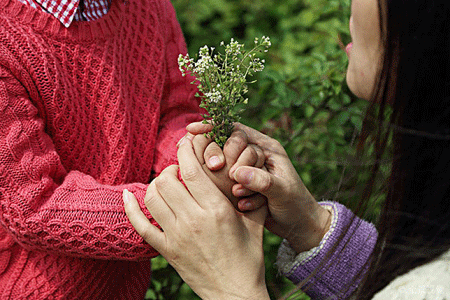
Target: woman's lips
pixel 348 48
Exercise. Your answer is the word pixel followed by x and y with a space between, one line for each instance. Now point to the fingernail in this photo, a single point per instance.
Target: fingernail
pixel 214 161
pixel 248 206
pixel 243 176
pixel 126 196
pixel 245 206
pixel 239 193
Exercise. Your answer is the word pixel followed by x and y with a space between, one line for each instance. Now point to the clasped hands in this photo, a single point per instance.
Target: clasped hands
pixel 216 249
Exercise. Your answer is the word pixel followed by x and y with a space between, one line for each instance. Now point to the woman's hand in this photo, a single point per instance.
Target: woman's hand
pixel 294 214
pixel 237 152
pixel 215 249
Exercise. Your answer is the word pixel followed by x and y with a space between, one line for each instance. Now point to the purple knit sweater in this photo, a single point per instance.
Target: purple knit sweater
pixel 335 279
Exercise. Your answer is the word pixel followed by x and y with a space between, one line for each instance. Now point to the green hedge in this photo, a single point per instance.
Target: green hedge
pixel 301 99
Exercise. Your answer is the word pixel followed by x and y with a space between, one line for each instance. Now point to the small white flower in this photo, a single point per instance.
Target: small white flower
pixel 221 79
pixel 214 96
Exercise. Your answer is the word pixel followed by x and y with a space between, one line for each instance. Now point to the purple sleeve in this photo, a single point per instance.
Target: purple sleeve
pixel 335 269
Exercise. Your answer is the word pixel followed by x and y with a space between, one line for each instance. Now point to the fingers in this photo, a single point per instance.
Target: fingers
pixel 202 189
pixel 251 203
pixel 260 181
pixel 171 190
pixel 198 128
pixel 186 136
pixel 213 157
pixel 258 217
pixel 156 204
pixel 151 234
pixel 234 146
pixel 251 156
pixel 206 151
pixel 238 190
pixel 260 157
pixel 199 142
pixel 255 137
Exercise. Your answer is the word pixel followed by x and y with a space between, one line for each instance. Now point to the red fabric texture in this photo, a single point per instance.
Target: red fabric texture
pixel 85 112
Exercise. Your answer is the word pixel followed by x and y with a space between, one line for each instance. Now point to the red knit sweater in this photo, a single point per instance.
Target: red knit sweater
pixel 85 112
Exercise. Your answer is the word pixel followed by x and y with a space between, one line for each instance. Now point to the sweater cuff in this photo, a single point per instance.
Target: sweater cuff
pixel 288 259
pixel 330 269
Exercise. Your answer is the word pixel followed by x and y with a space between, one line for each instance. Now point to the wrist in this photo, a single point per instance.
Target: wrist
pixel 248 288
pixel 302 239
pixel 253 295
pixel 259 293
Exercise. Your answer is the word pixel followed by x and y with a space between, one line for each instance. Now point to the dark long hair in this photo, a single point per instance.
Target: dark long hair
pixel 414 226
pixel 413 89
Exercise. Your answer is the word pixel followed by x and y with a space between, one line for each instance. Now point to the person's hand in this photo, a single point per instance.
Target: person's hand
pixel 294 214
pixel 237 152
pixel 215 249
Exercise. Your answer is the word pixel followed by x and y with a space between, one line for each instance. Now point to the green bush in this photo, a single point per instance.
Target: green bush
pixel 301 99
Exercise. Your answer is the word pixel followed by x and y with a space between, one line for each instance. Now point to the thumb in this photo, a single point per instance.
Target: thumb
pixel 259 180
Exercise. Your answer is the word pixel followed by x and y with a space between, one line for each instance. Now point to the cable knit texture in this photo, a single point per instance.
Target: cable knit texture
pixel 336 268
pixel 85 112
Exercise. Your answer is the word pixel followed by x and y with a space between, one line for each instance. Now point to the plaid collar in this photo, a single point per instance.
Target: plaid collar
pixel 67 11
pixel 63 10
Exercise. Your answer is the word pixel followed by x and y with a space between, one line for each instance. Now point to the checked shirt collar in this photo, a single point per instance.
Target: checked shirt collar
pixel 67 11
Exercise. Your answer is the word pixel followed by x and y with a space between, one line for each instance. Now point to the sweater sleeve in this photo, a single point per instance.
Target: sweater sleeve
pixel 179 105
pixel 46 208
pixel 325 272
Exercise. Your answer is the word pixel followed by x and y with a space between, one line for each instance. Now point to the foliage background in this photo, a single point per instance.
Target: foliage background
pixel 301 99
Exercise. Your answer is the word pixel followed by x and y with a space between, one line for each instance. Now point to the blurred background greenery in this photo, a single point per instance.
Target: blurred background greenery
pixel 301 99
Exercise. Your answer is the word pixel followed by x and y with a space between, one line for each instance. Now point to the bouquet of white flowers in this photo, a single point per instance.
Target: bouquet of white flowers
pixel 221 81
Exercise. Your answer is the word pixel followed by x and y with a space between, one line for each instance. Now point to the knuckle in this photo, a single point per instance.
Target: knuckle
pixel 259 151
pixel 234 146
pixel 162 179
pixel 222 213
pixel 266 183
pixel 238 137
pixel 189 173
pixel 249 157
pixel 194 226
pixel 237 142
pixel 149 200
pixel 252 151
pixel 274 144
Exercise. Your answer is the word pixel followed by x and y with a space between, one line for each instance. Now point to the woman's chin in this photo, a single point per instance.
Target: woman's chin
pixel 356 87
